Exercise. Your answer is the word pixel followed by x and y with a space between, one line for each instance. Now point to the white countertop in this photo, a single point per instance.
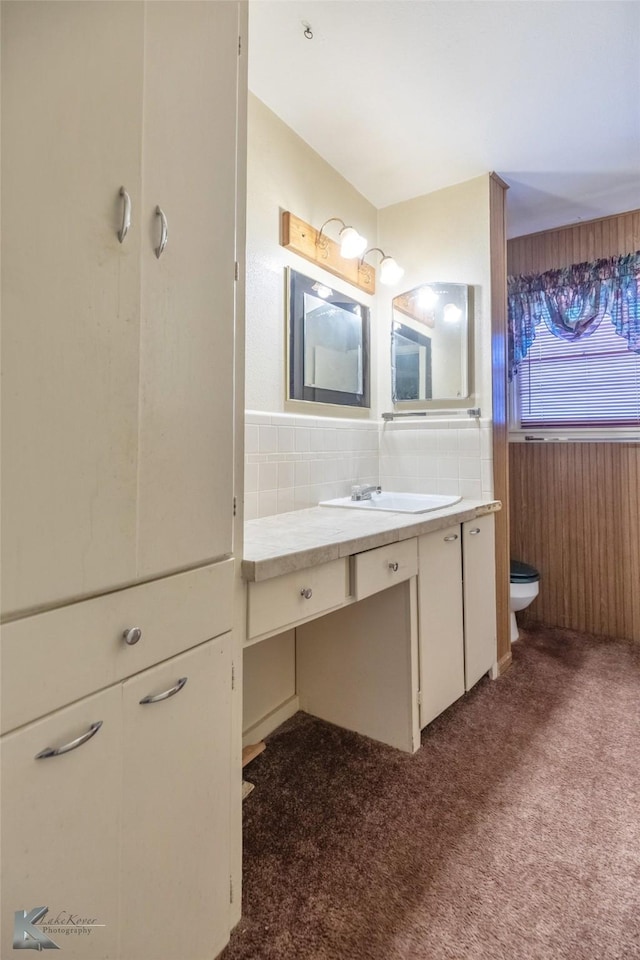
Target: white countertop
pixel 304 538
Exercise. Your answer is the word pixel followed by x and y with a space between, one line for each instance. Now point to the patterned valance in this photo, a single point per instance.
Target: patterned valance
pixel 572 302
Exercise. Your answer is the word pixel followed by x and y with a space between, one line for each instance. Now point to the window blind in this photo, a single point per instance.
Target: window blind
pixel 591 382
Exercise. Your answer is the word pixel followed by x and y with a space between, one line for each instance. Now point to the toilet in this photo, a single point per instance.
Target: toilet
pixel 523 590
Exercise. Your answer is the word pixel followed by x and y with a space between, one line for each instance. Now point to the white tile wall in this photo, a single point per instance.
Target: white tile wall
pixel 437 456
pixel 292 462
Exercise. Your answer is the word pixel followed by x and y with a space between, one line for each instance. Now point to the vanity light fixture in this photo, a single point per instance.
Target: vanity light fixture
pixel 352 243
pixel 390 272
pixel 341 258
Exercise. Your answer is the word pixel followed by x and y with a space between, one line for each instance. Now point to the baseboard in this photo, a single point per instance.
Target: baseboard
pixel 268 724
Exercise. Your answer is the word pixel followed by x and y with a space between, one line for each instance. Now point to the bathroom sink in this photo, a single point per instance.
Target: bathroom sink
pixel 396 502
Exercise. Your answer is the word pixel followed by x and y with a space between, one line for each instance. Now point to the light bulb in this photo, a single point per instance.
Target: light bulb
pixel 390 272
pixel 352 244
pixel 451 313
pixel 322 290
pixel 427 298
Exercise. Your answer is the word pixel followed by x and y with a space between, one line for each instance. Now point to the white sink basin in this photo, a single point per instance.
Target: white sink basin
pixel 396 502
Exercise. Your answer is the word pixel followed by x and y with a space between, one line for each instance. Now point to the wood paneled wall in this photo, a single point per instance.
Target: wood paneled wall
pixel 580 242
pixel 575 507
pixel 575 515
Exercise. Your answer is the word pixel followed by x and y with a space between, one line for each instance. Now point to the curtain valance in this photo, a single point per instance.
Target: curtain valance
pixel 572 302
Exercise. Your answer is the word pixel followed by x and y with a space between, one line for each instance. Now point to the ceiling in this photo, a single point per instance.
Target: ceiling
pixel 404 97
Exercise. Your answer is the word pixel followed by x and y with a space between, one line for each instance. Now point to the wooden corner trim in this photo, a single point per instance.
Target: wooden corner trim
pixel 504 663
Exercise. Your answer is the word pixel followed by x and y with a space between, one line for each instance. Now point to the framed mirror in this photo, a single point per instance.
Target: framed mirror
pixel 328 343
pixel 430 344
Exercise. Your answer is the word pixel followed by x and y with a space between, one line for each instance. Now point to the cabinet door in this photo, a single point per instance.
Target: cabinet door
pixel 188 295
pixel 480 637
pixel 60 829
pixel 440 622
pixel 71 115
pixel 175 854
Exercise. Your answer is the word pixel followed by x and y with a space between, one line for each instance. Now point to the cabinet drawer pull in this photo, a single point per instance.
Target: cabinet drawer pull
pixel 72 745
pixel 394 565
pixel 132 635
pixel 126 215
pixel 476 530
pixel 164 233
pixel 306 592
pixel 156 698
pixel 453 536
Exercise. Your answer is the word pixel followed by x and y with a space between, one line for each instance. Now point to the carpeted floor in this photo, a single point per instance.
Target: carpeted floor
pixel 513 833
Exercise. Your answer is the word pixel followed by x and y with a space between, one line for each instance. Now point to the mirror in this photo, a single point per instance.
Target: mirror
pixel 328 344
pixel 429 343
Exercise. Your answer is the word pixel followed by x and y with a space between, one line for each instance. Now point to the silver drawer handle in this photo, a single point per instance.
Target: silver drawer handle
pixel 72 745
pixel 453 536
pixel 394 566
pixel 132 635
pixel 126 215
pixel 473 532
pixel 167 693
pixel 164 233
pixel 306 592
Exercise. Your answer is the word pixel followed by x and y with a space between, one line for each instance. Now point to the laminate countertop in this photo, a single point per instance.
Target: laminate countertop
pixel 287 542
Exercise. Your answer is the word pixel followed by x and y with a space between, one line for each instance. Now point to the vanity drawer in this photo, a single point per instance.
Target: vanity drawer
pixel 293 598
pixel 56 657
pixel 383 567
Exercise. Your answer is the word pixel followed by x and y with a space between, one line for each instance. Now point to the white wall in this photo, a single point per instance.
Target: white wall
pixel 284 173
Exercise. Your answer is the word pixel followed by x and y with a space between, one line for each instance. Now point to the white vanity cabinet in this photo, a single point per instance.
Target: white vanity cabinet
pixel 456 610
pixel 117 386
pixel 60 820
pixel 129 829
pixel 120 132
pixel 175 897
pixel 441 628
pixel 479 593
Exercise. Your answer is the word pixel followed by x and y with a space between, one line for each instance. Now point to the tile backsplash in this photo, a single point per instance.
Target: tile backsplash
pixel 293 461
pixel 437 456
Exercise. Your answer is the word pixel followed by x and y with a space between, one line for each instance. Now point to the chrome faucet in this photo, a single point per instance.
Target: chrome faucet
pixel 364 492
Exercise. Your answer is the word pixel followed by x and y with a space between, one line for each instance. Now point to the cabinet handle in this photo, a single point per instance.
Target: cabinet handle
pixel 164 233
pixel 72 745
pixel 132 635
pixel 453 536
pixel 167 693
pixel 394 565
pixel 306 592
pixel 476 530
pixel 126 215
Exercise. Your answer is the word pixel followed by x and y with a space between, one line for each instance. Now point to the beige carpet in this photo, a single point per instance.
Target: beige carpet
pixel 513 834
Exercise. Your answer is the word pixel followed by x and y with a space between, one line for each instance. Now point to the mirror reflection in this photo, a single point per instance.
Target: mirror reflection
pixel 332 346
pixel 328 344
pixel 429 343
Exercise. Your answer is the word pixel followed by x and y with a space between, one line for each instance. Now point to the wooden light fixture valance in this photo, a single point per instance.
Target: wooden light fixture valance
pixel 306 241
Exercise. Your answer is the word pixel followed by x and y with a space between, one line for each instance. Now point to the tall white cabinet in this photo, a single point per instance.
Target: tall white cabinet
pixel 117 470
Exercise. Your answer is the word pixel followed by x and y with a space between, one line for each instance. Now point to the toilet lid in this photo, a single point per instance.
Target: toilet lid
pixel 523 572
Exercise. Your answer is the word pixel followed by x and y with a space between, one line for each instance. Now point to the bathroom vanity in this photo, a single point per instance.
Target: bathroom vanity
pixel 394 614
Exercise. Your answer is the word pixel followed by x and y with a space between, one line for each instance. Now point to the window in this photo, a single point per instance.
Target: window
pixel 590 382
pixel 574 345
